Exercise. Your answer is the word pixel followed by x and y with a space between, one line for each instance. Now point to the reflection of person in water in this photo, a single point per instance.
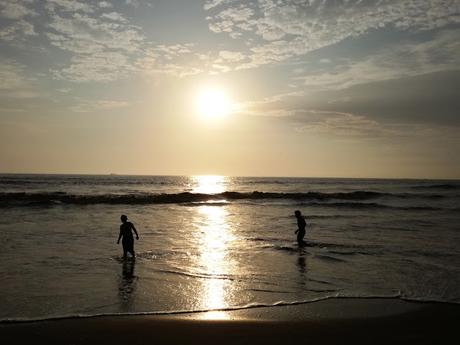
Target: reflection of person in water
pixel 127 234
pixel 302 266
pixel 301 224
pixel 127 283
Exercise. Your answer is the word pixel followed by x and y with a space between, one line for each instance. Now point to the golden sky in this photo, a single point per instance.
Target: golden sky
pixel 259 88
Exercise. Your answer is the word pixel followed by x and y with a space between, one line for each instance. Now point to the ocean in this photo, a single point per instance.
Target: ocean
pixel 215 243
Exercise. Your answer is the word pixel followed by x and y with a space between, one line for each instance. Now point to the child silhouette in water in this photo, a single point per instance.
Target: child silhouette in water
pixel 301 224
pixel 128 239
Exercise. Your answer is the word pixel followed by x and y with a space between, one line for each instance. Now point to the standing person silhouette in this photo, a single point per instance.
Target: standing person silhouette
pixel 128 239
pixel 301 224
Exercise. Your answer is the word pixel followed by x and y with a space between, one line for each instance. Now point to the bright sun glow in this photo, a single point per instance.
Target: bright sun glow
pixel 213 103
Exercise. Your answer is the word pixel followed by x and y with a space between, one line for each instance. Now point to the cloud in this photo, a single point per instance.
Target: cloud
pixel 105 4
pixel 12 75
pixel 340 124
pixel 15 20
pixel 179 60
pixel 105 46
pixel 232 20
pixel 231 56
pixel 291 28
pixel 16 9
pixel 99 66
pixel 6 110
pixel 17 31
pixel 134 3
pixel 114 16
pixel 137 3
pixel 69 6
pixel 394 62
pixel 86 34
pixel 213 3
pixel 431 99
pixel 352 127
pixel 318 121
pixel 99 105
pixel 349 128
pixel 279 105
pixel 14 82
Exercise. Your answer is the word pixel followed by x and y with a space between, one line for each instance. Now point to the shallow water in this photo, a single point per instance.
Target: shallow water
pixel 202 248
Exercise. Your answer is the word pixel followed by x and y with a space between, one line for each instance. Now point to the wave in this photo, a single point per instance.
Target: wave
pixel 365 205
pixel 441 186
pixel 53 198
pixel 331 296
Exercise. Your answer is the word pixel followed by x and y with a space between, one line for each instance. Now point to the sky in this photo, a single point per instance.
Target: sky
pixel 315 88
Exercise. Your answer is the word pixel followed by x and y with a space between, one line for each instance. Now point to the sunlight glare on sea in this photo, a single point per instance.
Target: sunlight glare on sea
pixel 215 238
pixel 208 184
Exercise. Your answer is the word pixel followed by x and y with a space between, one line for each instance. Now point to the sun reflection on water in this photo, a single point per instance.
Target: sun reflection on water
pixel 214 238
pixel 208 184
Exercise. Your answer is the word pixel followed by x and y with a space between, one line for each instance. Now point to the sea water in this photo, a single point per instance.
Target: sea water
pixel 218 243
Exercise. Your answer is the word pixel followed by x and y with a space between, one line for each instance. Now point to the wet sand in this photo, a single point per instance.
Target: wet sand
pixel 334 321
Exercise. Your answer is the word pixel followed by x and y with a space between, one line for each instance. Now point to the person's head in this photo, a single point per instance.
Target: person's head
pixel 297 213
pixel 123 218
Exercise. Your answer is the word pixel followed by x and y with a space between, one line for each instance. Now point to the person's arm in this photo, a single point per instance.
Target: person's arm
pixel 135 231
pixel 119 236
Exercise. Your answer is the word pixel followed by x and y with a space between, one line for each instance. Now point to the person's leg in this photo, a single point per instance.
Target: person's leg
pixel 303 235
pixel 125 250
pixel 130 248
pixel 300 236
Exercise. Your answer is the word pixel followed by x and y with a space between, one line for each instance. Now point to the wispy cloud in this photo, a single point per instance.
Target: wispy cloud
pixel 105 45
pixel 291 28
pixel 69 6
pixel 11 75
pixel 103 66
pixel 353 127
pixel 398 61
pixel 273 106
pixel 14 81
pixel 105 4
pixel 340 124
pixel 213 3
pixel 99 105
pixel 179 60
pixel 16 9
pixel 15 18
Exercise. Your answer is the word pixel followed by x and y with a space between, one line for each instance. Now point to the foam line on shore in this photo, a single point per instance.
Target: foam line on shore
pixel 228 309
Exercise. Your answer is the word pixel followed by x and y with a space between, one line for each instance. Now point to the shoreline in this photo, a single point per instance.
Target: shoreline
pixel 330 308
pixel 331 321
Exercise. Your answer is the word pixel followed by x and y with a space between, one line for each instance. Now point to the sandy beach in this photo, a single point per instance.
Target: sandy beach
pixel 333 321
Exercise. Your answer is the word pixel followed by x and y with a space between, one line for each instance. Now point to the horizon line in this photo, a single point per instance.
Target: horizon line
pixel 246 176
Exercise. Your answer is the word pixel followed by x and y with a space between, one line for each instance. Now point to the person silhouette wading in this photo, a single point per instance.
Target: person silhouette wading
pixel 301 224
pixel 127 235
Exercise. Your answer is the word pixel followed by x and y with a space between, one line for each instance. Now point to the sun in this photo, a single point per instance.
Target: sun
pixel 213 102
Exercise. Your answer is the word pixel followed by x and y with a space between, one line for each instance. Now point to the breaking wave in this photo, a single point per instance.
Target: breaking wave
pixel 355 199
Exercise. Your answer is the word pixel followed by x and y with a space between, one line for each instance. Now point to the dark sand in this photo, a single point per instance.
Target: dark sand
pixel 334 321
